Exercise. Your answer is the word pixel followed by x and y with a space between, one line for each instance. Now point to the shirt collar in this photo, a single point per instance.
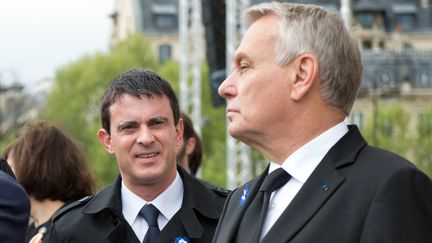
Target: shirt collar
pixel 304 160
pixel 168 202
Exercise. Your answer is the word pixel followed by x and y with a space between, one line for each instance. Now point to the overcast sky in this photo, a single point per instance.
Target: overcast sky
pixel 38 36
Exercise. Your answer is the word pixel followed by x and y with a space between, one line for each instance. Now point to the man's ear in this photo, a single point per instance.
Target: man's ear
pixel 105 140
pixel 306 69
pixel 179 132
pixel 190 145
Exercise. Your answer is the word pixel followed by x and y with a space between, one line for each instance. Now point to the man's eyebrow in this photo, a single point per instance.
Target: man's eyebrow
pixel 239 56
pixel 158 119
pixel 125 123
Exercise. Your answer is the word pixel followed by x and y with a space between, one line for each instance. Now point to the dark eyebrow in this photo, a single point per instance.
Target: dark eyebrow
pixel 126 124
pixel 158 119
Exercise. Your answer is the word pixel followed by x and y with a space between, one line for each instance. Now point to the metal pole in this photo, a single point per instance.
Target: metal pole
pixel 345 12
pixel 238 154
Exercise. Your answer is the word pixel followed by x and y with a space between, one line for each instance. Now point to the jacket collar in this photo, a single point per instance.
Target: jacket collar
pixel 323 183
pixel 194 191
pixel 108 198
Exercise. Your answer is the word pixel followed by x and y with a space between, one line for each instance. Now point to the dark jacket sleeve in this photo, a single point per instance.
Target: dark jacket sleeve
pixel 14 210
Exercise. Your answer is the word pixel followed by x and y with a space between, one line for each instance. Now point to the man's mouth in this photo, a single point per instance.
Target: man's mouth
pixel 147 155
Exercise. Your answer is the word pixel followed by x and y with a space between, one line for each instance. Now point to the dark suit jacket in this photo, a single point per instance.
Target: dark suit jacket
pixel 357 193
pixel 101 220
pixel 14 210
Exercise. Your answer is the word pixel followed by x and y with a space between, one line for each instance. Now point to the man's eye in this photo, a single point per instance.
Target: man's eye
pixel 158 122
pixel 243 67
pixel 127 128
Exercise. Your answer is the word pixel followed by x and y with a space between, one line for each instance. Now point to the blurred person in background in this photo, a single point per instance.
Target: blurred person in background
pixel 53 171
pixel 189 154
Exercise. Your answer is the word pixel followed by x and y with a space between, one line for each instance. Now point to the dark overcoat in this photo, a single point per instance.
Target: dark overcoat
pixel 100 218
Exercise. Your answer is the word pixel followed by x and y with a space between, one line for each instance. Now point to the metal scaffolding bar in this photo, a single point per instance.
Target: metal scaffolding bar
pixel 238 154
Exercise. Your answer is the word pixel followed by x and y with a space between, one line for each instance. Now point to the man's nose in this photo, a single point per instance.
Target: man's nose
pixel 145 136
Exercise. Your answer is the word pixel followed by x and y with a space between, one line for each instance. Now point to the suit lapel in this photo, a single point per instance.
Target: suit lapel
pixel 122 232
pixel 321 185
pixel 307 202
pixel 183 224
pixel 229 229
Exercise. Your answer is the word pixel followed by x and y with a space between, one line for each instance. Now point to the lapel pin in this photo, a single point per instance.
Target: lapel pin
pixel 245 195
pixel 181 240
pixel 324 187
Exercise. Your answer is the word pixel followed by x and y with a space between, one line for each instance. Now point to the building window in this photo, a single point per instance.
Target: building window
pixel 424 124
pixel 165 21
pixel 164 53
pixel 367 44
pixel 405 22
pixel 164 16
pixel 365 19
pixel 357 118
pixel 423 78
pixel 405 16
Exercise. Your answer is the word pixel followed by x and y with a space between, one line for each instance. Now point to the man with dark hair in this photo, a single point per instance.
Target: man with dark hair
pixel 189 154
pixel 153 199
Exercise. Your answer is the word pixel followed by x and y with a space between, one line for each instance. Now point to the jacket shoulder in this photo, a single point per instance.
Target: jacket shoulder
pixel 69 207
pixel 216 189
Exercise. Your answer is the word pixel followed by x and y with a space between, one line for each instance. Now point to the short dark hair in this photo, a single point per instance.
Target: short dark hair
pixel 137 82
pixel 49 165
pixel 195 157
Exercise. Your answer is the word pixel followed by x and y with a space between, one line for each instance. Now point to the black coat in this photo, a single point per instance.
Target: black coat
pixel 100 219
pixel 357 193
pixel 14 210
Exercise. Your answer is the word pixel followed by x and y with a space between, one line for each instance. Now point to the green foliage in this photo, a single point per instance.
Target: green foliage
pixel 391 130
pixel 423 145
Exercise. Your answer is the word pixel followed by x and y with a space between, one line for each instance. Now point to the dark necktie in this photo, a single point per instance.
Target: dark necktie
pixel 150 214
pixel 253 218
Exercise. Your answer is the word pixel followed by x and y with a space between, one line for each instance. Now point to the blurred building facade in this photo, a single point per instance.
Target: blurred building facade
pixel 18 105
pixel 157 19
pixel 395 37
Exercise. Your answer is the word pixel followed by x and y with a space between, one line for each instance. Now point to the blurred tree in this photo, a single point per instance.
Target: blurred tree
pixel 393 132
pixel 390 129
pixel 423 145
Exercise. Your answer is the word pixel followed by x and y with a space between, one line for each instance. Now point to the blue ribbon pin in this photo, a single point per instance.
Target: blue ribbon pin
pixel 245 195
pixel 324 187
pixel 181 240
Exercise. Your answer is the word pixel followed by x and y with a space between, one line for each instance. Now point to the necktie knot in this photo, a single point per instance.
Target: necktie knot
pixel 275 180
pixel 251 224
pixel 150 214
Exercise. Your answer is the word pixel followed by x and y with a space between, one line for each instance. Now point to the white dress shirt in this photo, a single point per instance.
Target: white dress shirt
pixel 300 166
pixel 168 203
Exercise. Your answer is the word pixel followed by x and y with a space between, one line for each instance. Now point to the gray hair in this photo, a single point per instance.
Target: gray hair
pixel 306 28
